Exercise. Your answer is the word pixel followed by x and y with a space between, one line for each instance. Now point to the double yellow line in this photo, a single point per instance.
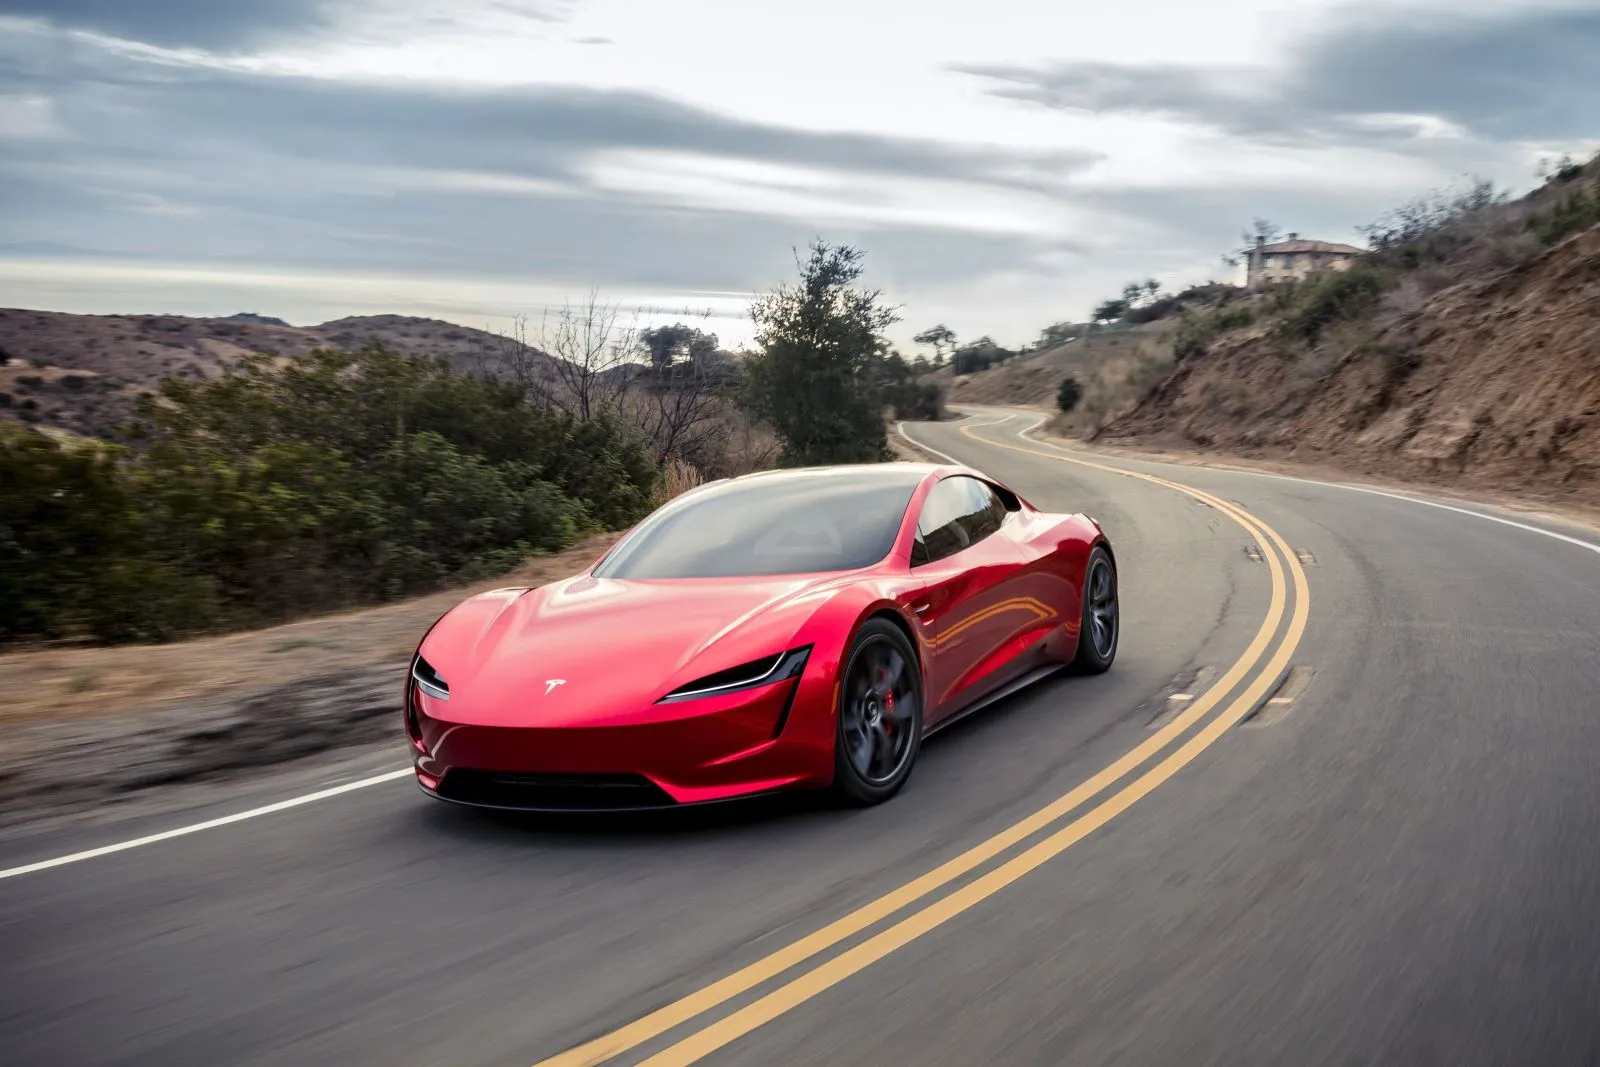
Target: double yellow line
pixel 835 969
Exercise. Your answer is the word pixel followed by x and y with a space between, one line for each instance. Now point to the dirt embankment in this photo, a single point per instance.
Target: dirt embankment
pixel 1492 382
pixel 85 726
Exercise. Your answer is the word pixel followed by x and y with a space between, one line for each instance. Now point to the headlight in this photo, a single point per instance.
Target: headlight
pixel 429 680
pixel 764 671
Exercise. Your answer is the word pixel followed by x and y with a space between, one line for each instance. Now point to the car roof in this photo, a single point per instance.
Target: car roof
pixel 898 472
pixel 902 474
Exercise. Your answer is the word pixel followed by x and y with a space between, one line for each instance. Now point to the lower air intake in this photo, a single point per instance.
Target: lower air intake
pixel 554 792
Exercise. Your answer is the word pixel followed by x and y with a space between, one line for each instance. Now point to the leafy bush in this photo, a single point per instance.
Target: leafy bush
pixel 1573 212
pixel 1331 298
pixel 1069 394
pixel 918 400
pixel 1233 318
pixel 343 478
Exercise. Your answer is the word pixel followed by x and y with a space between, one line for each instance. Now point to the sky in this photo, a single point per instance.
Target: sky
pixel 1003 165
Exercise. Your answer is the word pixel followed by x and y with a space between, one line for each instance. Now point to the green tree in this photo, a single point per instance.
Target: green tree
pixel 1110 311
pixel 938 337
pixel 815 376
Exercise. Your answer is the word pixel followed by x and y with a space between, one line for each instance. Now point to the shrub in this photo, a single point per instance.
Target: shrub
pixel 1069 393
pixel 1331 298
pixel 918 400
pixel 1573 212
pixel 1431 215
pixel 341 479
pixel 1233 318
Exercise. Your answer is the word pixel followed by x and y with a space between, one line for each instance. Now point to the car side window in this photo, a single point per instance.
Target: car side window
pixel 959 511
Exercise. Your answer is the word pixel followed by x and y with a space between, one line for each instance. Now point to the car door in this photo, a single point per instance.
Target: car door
pixel 967 598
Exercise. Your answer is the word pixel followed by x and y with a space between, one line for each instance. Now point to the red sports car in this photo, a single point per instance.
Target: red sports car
pixel 789 629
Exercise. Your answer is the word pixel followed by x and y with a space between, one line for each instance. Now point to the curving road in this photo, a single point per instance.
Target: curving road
pixel 1338 802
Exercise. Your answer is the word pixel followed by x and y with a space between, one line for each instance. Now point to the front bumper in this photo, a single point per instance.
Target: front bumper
pixel 690 752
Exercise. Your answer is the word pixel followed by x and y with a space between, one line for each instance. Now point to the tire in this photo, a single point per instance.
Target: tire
pixel 1100 624
pixel 879 705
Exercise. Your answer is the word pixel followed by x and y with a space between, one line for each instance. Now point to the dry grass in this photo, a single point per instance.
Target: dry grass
pixel 677 478
pixel 57 683
pixel 1112 366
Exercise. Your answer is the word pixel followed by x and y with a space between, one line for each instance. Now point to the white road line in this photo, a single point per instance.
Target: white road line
pixel 209 824
pixel 900 428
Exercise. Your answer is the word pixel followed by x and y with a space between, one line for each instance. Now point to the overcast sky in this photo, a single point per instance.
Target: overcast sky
pixel 1004 165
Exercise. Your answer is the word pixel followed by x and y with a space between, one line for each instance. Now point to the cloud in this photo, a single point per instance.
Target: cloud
pixel 609 182
pixel 180 23
pixel 234 26
pixel 1369 77
pixel 27 117
pixel 303 141
pixel 567 184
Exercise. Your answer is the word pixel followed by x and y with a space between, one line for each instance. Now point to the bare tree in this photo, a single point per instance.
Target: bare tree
pixel 514 356
pixel 679 408
pixel 596 351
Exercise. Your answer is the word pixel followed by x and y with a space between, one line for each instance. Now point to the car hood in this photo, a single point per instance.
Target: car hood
pixel 596 651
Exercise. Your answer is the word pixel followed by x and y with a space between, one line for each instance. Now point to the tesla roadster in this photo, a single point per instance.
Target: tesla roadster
pixel 788 629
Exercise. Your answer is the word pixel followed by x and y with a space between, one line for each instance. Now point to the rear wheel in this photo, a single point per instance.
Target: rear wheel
pixel 1101 624
pixel 880 715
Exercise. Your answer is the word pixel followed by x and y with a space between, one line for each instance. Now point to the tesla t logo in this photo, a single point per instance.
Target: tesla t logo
pixel 551 683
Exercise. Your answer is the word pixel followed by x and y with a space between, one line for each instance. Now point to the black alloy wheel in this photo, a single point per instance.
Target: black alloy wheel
pixel 880 715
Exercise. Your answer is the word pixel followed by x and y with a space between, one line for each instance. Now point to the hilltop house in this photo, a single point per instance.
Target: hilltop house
pixel 1282 261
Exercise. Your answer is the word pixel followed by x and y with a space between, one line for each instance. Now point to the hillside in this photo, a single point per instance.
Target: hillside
pixel 1110 364
pixel 1466 352
pixel 80 373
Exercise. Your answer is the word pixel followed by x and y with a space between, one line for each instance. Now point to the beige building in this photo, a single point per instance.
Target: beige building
pixel 1292 259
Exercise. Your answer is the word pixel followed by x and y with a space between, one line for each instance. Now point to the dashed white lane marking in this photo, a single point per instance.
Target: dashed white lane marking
pixel 209 824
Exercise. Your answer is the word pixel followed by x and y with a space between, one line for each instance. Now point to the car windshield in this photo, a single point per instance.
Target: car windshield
pixel 791 523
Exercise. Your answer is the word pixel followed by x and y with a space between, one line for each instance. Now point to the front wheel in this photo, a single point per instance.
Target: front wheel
pixel 1101 623
pixel 880 715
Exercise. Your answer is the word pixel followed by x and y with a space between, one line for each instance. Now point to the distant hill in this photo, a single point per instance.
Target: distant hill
pixel 81 373
pixel 1102 361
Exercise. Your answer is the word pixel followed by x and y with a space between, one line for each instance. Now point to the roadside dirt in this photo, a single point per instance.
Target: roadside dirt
pixel 57 683
pixel 88 726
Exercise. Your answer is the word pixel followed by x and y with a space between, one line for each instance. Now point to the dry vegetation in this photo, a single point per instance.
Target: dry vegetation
pixel 1112 365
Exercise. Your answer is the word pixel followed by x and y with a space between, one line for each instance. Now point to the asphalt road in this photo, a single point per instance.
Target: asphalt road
pixel 1396 860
